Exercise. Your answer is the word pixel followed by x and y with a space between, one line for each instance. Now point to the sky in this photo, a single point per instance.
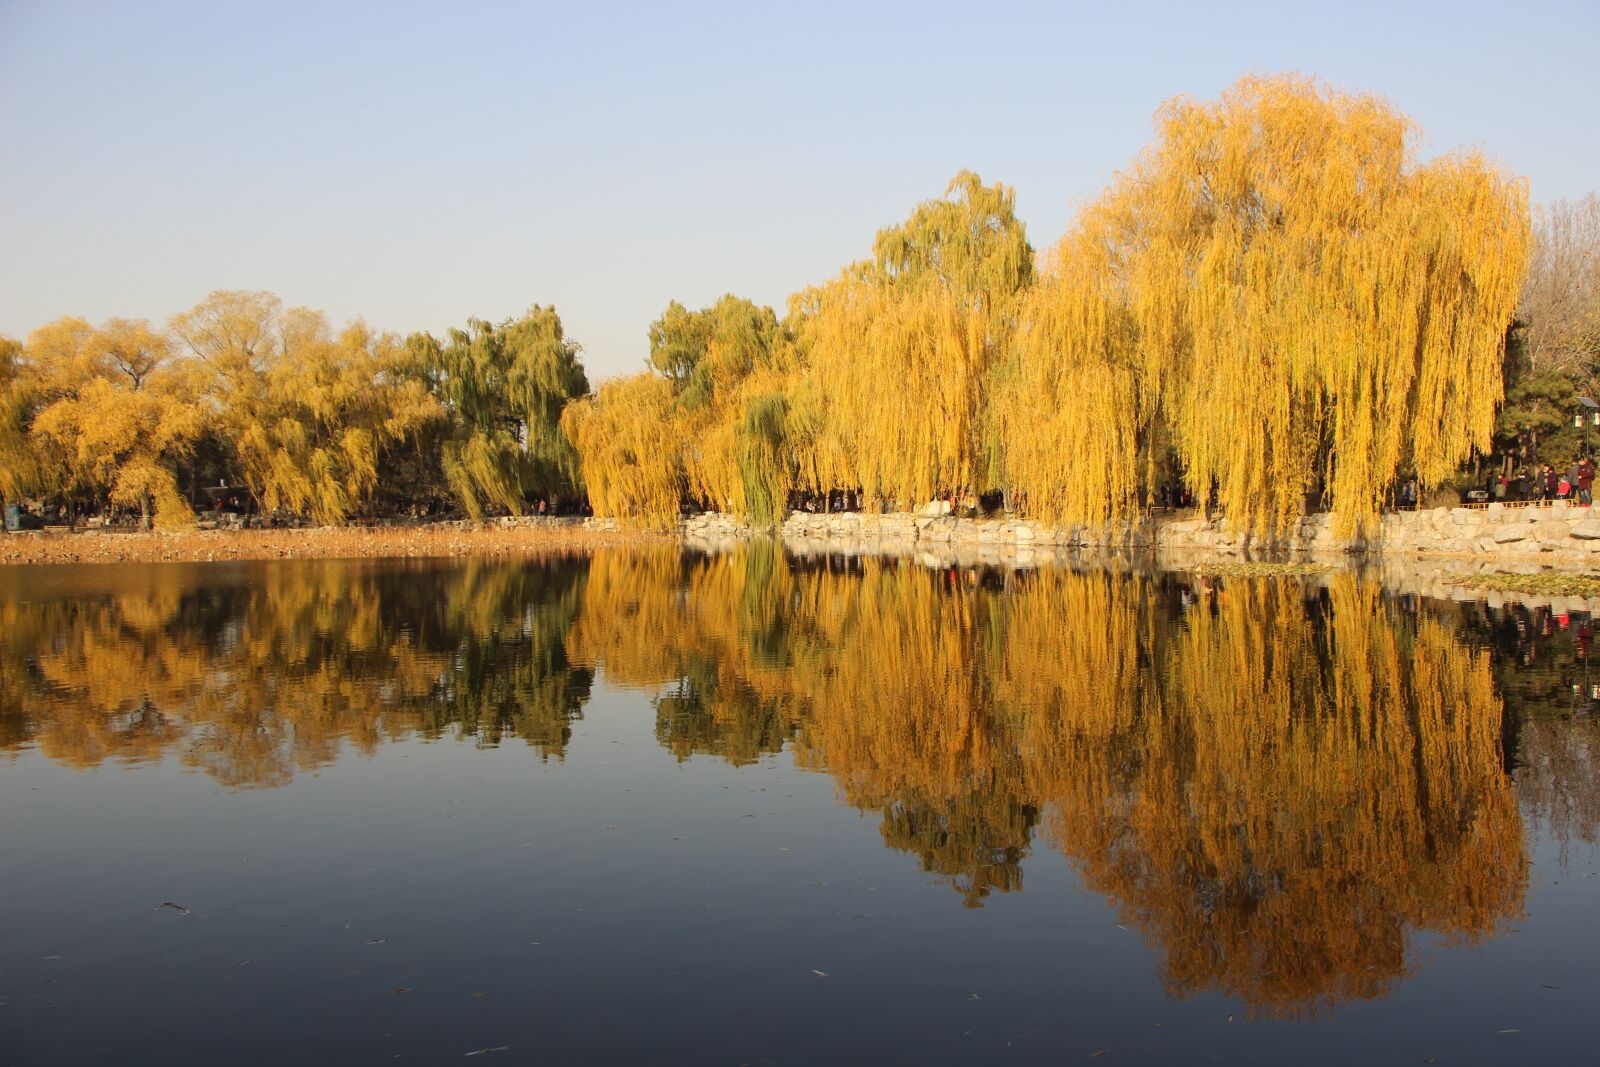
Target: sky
pixel 418 164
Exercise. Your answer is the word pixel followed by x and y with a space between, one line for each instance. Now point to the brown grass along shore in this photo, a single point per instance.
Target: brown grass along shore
pixel 341 542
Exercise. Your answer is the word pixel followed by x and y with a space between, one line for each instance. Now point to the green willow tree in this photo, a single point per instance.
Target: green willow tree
pixel 503 388
pixel 727 364
pixel 709 419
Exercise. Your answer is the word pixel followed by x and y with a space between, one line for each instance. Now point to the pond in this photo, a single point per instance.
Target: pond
pixel 653 806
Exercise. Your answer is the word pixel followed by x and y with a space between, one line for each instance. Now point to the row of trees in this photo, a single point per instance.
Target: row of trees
pixel 1276 302
pixel 1276 305
pixel 303 420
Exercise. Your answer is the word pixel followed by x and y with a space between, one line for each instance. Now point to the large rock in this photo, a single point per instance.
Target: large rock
pixel 1587 530
pixel 1551 530
pixel 1514 531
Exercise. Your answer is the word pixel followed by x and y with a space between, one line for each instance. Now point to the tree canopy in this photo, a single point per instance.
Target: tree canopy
pixel 503 387
pixel 103 413
pixel 1279 306
pixel 1278 288
pixel 899 351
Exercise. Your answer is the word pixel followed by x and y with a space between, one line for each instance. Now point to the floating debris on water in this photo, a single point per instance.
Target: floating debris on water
pixel 1548 583
pixel 1248 569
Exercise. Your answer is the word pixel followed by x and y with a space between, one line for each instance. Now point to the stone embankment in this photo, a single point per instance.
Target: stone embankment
pixel 1554 533
pixel 1427 553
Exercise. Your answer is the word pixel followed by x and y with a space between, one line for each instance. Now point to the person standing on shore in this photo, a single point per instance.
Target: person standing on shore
pixel 1585 481
pixel 1551 483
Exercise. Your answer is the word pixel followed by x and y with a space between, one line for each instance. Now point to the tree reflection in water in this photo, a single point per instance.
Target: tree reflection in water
pixel 1280 784
pixel 252 681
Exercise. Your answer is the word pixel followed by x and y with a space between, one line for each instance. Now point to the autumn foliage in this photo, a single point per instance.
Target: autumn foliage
pixel 1278 305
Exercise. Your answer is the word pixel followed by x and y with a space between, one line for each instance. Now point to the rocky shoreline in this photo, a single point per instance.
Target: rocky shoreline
pixel 1426 552
pixel 1556 533
pixel 1434 554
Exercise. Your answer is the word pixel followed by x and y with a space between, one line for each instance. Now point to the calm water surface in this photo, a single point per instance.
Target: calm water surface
pixel 647 807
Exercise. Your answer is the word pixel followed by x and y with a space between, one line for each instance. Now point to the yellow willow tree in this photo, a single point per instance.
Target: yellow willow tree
pixel 329 407
pixel 120 419
pixel 81 409
pixel 728 365
pixel 55 363
pixel 234 336
pixel 307 415
pixel 900 350
pixel 20 469
pixel 628 452
pixel 1074 404
pixel 234 333
pixel 1279 285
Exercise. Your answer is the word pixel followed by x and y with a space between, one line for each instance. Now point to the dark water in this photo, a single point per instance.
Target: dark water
pixel 652 808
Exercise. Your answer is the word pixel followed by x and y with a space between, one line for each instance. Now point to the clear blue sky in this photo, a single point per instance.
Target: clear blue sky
pixel 419 163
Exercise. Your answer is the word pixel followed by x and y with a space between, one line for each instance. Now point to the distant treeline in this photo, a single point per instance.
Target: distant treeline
pixel 1275 304
pixel 298 419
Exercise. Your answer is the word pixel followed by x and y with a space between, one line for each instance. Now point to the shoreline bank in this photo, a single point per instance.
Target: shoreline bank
pixel 1556 534
pixel 1470 540
pixel 53 547
pixel 1163 543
